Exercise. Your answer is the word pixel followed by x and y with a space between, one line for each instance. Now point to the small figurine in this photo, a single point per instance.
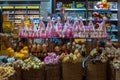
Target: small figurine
pixel 105 4
pixel 98 5
pixel 113 27
pixel 83 50
pixel 59 5
pixel 113 37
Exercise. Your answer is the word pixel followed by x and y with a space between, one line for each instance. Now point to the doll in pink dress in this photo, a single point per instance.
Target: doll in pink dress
pixel 91 28
pixel 82 29
pixel 42 25
pixel 53 32
pixel 66 28
pixel 33 30
pixel 25 31
pixel 58 28
pixel 43 34
pixel 76 27
pixel 49 28
pixel 70 32
pixel 42 28
pixel 21 32
pixel 102 28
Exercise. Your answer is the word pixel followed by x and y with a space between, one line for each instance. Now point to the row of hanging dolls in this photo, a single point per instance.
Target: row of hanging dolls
pixel 68 30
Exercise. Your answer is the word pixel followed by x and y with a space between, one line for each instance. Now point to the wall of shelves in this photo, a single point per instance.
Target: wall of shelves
pixel 13 12
pixel 87 9
pixel 16 13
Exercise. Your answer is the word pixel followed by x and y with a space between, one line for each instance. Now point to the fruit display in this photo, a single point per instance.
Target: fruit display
pixel 72 57
pixel 6 72
pixel 24 53
pixel 32 62
pixel 38 49
pixel 11 52
pixel 112 51
pixel 98 55
pixel 52 58
pixel 116 63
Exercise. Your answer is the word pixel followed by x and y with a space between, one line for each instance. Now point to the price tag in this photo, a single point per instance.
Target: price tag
pixel 33 7
pixel 20 7
pixel 7 7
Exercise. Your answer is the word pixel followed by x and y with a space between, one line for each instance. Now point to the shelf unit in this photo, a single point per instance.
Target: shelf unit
pixel 14 11
pixel 17 12
pixel 88 9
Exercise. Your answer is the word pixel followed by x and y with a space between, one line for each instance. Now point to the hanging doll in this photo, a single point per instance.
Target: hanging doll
pixel 42 28
pixel 82 29
pixel 58 28
pixel 67 30
pixel 53 27
pixel 34 29
pixel 91 28
pixel 102 29
pixel 25 34
pixel 49 28
pixel 22 29
pixel 76 27
pixel 31 31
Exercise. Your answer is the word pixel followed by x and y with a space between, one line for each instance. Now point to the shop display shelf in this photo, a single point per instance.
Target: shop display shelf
pixel 74 9
pixel 103 10
pixel 114 39
pixel 114 30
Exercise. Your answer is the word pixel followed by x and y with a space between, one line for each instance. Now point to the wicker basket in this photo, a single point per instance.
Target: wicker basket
pixel 96 71
pixel 53 72
pixel 110 72
pixel 117 75
pixel 72 71
pixel 33 74
pixel 13 77
pixel 18 73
